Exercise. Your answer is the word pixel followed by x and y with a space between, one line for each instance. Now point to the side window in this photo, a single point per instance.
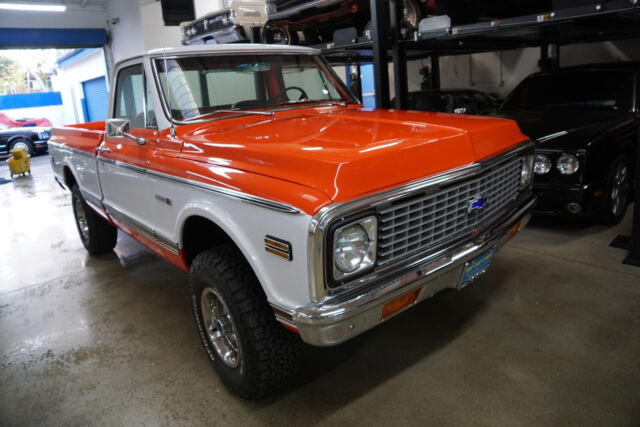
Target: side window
pixel 130 96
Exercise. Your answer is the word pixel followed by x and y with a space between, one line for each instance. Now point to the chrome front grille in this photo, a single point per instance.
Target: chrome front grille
pixel 427 220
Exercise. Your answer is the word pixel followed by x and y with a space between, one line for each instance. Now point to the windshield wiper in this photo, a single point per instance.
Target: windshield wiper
pixel 225 110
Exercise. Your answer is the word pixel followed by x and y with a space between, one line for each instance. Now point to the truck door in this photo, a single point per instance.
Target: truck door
pixel 122 160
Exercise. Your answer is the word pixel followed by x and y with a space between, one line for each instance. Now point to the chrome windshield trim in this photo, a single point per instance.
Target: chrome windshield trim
pixel 169 116
pixel 321 222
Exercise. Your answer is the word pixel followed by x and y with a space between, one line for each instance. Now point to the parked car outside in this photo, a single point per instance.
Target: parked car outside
pixel 585 123
pixel 34 139
pixel 457 101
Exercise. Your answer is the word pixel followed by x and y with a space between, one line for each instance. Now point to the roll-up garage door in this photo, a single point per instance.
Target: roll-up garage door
pixel 96 98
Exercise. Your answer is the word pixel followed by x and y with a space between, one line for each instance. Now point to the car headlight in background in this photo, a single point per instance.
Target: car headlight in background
pixel 43 135
pixel 568 164
pixel 527 171
pixel 542 164
pixel 354 247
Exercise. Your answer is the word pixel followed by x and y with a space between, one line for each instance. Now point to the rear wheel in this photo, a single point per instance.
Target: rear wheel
pixel 97 235
pixel 252 353
pixel 617 191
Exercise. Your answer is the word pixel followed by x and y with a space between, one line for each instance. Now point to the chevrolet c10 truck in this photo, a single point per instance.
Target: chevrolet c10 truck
pixel 299 214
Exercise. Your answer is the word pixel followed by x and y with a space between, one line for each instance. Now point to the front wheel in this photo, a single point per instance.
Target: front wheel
pixel 97 235
pixel 252 353
pixel 616 195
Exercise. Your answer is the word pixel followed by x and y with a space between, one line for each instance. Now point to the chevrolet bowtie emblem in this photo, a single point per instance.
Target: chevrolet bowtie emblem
pixel 476 203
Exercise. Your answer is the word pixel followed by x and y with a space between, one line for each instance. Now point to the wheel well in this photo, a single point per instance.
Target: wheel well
pixel 200 234
pixel 69 179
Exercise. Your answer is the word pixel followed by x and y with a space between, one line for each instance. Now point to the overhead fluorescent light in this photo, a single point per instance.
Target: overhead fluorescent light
pixel 33 7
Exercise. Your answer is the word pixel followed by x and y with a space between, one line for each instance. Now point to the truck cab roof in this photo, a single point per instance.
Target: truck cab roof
pixel 224 49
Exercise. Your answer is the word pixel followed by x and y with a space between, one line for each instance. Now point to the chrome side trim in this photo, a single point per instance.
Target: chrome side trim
pixel 142 229
pixel 131 167
pixel 91 199
pixel 59 146
pixel 254 200
pixel 323 219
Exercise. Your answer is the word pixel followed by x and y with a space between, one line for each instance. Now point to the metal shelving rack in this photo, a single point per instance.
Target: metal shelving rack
pixel 604 21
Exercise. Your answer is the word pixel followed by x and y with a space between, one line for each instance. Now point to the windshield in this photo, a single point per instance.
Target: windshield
pixel 201 85
pixel 611 89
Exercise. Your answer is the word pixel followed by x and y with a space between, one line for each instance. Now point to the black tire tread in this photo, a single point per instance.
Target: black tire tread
pixel 271 351
pixel 102 235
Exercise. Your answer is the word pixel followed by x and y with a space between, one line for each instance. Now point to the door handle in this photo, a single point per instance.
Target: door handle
pixel 103 150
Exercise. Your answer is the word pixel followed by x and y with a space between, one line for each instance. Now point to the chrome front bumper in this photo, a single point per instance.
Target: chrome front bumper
pixel 331 323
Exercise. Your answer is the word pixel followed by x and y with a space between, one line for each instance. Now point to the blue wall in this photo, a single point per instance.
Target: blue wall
pixel 28 100
pixel 52 37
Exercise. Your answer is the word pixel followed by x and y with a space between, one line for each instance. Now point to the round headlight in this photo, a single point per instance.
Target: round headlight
pixel 542 164
pixel 568 164
pixel 351 246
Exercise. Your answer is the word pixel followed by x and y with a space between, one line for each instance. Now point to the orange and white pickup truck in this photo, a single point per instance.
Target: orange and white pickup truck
pixel 299 214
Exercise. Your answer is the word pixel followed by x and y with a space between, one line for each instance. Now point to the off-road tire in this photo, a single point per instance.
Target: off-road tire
pixel 607 216
pixel 100 236
pixel 269 353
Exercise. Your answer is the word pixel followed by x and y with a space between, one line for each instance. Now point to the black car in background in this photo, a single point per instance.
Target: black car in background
pixel 457 101
pixel 585 123
pixel 34 139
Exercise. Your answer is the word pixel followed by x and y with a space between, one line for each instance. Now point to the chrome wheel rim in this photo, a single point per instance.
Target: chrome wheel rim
pixel 83 226
pixel 620 189
pixel 219 327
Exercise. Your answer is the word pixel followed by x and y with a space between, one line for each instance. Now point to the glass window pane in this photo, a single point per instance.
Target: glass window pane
pixel 200 85
pixel 129 96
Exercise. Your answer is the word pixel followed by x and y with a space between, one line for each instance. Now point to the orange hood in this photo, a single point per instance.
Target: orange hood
pixel 346 153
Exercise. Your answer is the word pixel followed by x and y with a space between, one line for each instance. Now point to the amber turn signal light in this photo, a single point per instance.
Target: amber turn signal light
pixel 514 230
pixel 398 304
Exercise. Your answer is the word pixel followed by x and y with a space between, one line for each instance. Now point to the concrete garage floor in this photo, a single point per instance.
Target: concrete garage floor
pixel 549 336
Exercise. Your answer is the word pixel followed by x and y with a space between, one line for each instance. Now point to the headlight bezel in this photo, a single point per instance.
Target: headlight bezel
pixel 526 174
pixel 572 157
pixel 369 222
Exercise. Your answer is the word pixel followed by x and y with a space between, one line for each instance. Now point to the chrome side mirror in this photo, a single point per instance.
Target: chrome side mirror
pixel 120 128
